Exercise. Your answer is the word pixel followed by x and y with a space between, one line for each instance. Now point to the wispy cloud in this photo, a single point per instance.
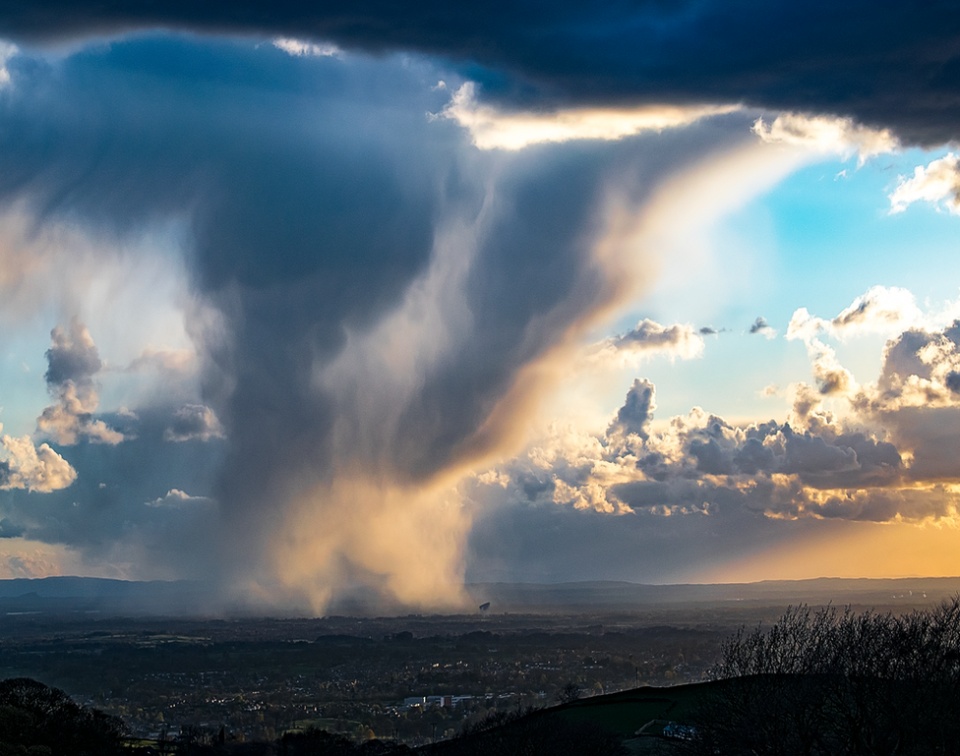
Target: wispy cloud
pixel 492 128
pixel 647 339
pixel 300 48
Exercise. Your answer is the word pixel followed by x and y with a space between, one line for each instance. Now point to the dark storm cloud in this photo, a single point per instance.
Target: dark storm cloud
pixel 311 194
pixel 532 278
pixel 136 146
pixel 886 63
pixel 307 207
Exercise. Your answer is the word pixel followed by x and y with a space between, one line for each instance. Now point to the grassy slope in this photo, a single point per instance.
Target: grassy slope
pixel 623 713
pixel 626 712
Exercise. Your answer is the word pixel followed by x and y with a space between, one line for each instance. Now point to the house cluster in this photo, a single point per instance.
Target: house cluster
pixel 444 702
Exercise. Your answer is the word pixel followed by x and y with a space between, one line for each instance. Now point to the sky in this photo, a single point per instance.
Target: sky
pixel 345 307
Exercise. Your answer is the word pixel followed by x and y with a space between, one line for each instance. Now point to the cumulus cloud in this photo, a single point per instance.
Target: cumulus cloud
pixel 887 455
pixel 916 398
pixel 493 128
pixel 919 360
pixel 882 309
pixel 827 134
pixel 32 468
pixel 702 465
pixel 833 379
pixel 73 361
pixel 937 183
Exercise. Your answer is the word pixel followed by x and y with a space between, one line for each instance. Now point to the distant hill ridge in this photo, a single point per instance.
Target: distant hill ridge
pixel 72 593
pixel 619 593
pixel 69 594
pixel 70 586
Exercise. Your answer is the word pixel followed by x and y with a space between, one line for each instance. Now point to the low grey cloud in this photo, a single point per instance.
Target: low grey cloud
pixel 193 422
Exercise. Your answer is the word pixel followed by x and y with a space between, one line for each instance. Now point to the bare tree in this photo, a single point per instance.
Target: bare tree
pixel 838 682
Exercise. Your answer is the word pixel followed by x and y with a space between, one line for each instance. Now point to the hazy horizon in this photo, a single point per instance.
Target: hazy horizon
pixel 382 302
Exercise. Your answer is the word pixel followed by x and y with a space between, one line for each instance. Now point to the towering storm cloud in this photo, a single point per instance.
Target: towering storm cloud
pixel 312 275
pixel 376 290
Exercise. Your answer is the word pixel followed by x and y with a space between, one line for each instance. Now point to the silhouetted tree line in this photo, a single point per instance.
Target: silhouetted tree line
pixel 315 742
pixel 37 720
pixel 518 733
pixel 192 741
pixel 832 682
